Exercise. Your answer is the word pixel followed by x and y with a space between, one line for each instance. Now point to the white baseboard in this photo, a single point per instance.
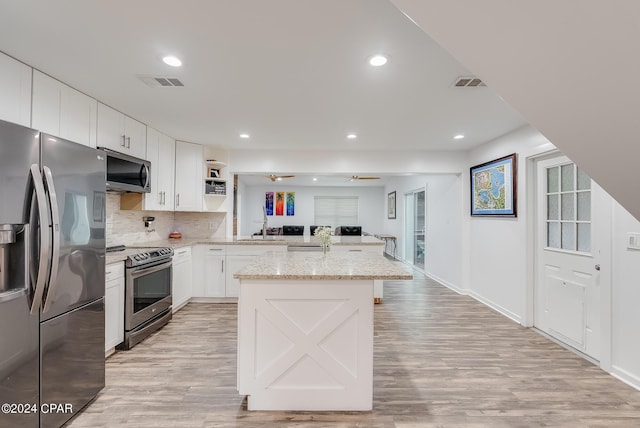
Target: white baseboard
pixel 626 377
pixel 214 300
pixel 507 313
pixel 479 298
pixel 446 283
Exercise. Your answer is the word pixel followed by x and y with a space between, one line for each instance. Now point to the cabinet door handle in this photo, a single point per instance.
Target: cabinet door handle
pixel 222 261
pixel 215 249
pixel 159 198
pixel 162 198
pixel 128 142
pixel 177 199
pixel 124 139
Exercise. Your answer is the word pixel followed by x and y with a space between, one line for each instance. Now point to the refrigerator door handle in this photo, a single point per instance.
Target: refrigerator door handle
pixel 45 244
pixel 55 220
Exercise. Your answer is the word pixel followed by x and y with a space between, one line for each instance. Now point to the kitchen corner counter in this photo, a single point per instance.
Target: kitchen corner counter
pixel 318 266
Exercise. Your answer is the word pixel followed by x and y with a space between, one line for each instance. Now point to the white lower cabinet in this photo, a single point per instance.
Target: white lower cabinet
pixel 209 265
pixel 239 256
pixel 114 306
pixel 214 266
pixel 182 279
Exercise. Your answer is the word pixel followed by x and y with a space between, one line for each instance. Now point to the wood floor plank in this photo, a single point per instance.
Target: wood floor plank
pixel 440 360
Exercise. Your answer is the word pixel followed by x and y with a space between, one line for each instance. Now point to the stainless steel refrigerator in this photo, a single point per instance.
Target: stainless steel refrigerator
pixel 52 265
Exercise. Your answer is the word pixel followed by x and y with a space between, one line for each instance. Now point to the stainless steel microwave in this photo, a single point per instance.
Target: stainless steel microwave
pixel 127 173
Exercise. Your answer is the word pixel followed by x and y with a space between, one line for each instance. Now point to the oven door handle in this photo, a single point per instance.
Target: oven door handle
pixel 135 273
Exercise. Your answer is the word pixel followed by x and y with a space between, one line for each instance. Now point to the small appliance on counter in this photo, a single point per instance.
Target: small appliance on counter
pixel 175 235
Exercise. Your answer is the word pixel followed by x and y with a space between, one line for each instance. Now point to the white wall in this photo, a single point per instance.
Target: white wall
pixel 625 352
pixel 497 247
pixel 540 56
pixel 443 259
pixel 372 207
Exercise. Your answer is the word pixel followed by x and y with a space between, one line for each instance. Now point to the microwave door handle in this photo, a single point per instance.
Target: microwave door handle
pixel 43 263
pixel 55 257
pixel 144 175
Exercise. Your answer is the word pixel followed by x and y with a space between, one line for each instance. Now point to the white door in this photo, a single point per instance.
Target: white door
pixel 415 227
pixel 571 239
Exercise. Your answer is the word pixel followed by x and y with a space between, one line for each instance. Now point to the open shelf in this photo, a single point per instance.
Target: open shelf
pixel 215 164
pixel 215 186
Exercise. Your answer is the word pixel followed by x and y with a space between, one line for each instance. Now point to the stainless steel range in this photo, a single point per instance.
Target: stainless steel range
pixel 147 298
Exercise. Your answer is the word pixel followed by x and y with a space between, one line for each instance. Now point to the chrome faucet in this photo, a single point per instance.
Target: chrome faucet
pixel 264 224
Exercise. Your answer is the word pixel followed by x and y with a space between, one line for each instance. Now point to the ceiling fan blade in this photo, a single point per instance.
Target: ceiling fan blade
pixel 357 177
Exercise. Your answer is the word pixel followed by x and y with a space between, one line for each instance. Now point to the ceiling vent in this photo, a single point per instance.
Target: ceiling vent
pixel 468 82
pixel 159 81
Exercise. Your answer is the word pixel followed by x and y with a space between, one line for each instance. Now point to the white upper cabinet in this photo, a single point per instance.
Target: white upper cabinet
pixel 121 133
pixel 62 111
pixel 161 154
pixel 78 117
pixel 188 182
pixel 15 91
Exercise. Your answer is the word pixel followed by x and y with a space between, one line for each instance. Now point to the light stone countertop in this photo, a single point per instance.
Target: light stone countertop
pixel 318 266
pixel 270 240
pixel 242 240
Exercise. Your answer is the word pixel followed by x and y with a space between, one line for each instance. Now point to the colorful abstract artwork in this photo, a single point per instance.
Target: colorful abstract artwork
pixel 268 203
pixel 291 202
pixel 279 203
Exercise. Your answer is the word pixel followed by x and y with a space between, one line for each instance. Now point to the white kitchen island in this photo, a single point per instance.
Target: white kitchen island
pixel 305 329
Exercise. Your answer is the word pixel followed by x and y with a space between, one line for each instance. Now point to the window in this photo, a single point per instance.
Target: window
pixel 336 211
pixel 568 208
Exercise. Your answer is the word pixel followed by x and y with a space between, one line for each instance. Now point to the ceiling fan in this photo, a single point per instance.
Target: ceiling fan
pixel 274 177
pixel 357 177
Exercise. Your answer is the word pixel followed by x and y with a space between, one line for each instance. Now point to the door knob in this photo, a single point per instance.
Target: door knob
pixel 597 267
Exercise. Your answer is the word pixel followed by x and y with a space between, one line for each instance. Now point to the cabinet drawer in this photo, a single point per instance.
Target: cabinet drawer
pixel 215 250
pixel 181 254
pixel 114 271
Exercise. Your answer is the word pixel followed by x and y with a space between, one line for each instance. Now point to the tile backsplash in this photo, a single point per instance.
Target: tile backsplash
pixel 127 227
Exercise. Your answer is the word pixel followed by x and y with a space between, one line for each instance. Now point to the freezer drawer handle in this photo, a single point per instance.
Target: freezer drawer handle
pixel 45 244
pixel 55 219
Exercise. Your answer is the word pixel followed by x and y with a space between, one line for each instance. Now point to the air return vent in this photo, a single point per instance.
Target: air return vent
pixel 468 82
pixel 160 81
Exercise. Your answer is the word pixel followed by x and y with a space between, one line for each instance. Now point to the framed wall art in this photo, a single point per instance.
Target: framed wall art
pixel 279 203
pixel 291 202
pixel 391 205
pixel 268 203
pixel 494 187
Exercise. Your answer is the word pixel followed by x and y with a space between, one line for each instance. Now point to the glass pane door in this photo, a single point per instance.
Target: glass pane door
pixel 415 227
pixel 419 228
pixel 409 222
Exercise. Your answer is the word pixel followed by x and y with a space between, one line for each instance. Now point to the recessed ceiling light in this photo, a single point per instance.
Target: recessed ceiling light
pixel 244 135
pixel 279 178
pixel 378 60
pixel 352 136
pixel 458 137
pixel 315 179
pixel 172 61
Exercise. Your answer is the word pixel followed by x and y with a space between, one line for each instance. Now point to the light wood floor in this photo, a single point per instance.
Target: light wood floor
pixel 440 360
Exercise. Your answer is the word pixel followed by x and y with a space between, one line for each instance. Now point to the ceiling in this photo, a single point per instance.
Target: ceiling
pixel 293 74
pixel 564 65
